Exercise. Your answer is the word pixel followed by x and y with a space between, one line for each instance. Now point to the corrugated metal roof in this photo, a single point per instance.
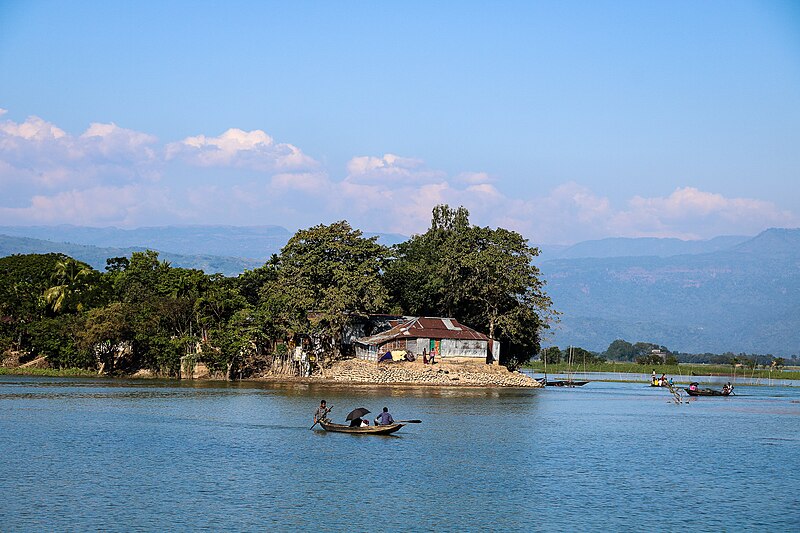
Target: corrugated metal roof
pixel 425 327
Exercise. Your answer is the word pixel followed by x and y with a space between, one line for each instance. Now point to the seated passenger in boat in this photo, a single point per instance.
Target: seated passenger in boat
pixel 727 388
pixel 693 386
pixel 384 418
pixel 356 423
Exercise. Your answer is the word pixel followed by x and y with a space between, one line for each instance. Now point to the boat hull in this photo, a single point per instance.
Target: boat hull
pixel 565 383
pixel 365 430
pixel 705 392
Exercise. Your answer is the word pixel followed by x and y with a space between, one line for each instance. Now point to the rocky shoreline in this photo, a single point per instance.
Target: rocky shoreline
pixel 406 373
pixel 351 371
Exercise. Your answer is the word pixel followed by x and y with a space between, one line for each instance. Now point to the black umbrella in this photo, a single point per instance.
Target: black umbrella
pixel 357 413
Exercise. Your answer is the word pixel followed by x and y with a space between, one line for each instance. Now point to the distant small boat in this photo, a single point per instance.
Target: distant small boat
pixel 706 392
pixel 361 430
pixel 569 382
pixel 561 382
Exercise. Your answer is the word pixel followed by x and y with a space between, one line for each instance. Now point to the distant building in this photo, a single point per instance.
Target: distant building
pixel 445 337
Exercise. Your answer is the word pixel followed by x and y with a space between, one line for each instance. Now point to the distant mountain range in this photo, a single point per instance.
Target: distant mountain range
pixel 251 242
pixel 96 256
pixel 255 242
pixel 731 293
pixel 639 247
pixel 740 298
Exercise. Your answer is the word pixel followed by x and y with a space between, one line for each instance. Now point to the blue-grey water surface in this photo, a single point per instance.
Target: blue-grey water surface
pixel 83 454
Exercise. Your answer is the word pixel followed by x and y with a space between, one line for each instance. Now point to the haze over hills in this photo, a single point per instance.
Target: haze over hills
pixel 96 256
pixel 642 246
pixel 730 293
pixel 253 242
pixel 745 298
pixel 256 242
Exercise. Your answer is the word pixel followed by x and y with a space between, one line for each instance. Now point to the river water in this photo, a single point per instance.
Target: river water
pixel 83 454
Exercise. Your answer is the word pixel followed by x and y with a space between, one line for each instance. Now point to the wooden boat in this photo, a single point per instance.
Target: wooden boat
pixel 362 430
pixel 706 392
pixel 569 382
pixel 561 382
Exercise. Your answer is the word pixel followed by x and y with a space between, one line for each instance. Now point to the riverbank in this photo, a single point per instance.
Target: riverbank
pixel 48 372
pixel 683 370
pixel 354 371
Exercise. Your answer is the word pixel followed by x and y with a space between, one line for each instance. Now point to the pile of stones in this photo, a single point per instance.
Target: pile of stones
pixel 358 371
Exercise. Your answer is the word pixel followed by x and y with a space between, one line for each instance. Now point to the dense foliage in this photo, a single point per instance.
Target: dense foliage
pixel 649 354
pixel 485 277
pixel 143 313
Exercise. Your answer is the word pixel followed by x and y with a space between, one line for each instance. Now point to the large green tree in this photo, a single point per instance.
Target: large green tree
pixel 482 276
pixel 324 275
pixel 76 287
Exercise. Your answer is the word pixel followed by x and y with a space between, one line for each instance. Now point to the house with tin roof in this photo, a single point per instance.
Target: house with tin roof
pixel 444 337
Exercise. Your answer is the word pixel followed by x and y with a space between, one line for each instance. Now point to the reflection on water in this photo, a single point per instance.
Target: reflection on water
pixel 163 455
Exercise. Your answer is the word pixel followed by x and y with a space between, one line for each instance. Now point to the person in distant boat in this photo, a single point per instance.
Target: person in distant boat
pixel 322 411
pixel 364 422
pixel 727 388
pixel 670 382
pixel 662 381
pixel 693 386
pixel 356 422
pixel 384 418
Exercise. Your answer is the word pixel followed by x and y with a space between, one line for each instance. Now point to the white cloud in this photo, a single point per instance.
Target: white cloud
pixel 40 157
pixel 474 178
pixel 34 128
pixel 112 175
pixel 390 169
pixel 240 149
pixel 118 143
pixel 691 213
pixel 124 206
pixel 571 212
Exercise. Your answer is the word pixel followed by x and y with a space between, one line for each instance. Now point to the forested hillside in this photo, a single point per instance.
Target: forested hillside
pixel 96 256
pixel 744 298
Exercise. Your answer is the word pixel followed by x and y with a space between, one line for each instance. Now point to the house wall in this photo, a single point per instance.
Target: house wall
pixel 464 348
pixel 472 349
pixel 371 353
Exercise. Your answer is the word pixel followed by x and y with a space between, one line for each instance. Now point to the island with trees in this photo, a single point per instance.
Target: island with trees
pixel 143 316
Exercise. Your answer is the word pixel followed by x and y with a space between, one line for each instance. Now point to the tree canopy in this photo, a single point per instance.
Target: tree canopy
pixel 483 276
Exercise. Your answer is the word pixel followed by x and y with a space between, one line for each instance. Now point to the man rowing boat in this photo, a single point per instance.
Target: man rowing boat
pixel 322 411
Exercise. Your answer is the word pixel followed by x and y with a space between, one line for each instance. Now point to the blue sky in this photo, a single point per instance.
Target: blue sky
pixel 563 120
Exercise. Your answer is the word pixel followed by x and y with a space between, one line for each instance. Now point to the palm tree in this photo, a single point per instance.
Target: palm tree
pixel 69 279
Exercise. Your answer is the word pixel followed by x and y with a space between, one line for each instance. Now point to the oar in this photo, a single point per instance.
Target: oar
pixel 408 422
pixel 328 410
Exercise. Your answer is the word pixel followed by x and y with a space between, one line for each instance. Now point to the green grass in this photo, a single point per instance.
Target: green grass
pixel 674 371
pixel 48 372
